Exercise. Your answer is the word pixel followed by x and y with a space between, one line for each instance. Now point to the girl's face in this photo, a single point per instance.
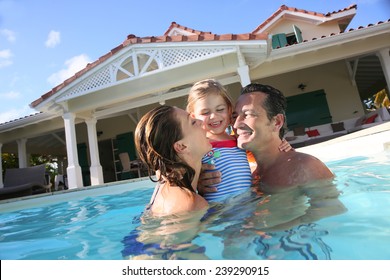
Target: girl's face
pixel 214 113
pixel 194 135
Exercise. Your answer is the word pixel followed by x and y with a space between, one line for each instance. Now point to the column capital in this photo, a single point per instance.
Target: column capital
pixel 22 141
pixel 69 116
pixel 383 53
pixel 91 121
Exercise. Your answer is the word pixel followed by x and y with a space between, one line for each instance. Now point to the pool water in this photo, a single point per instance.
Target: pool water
pixel 316 224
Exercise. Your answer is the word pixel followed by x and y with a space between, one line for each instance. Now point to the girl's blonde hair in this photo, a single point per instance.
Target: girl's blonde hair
pixel 206 87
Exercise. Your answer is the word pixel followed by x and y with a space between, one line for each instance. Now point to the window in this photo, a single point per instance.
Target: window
pixel 282 39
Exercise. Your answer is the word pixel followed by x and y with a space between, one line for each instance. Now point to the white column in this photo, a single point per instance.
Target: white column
pixel 243 71
pixel 1 167
pixel 384 58
pixel 95 168
pixel 22 154
pixel 74 170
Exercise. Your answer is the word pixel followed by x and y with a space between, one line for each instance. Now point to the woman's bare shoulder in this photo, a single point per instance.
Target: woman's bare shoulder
pixel 176 200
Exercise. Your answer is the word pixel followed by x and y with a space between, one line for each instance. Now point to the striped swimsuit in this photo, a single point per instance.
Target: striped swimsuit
pixel 233 164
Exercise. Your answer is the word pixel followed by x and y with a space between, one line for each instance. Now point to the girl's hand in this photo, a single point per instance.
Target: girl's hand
pixel 285 146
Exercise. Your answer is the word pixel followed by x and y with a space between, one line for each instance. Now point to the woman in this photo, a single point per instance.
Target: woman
pixel 172 143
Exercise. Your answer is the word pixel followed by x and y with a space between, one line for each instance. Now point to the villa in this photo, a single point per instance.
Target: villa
pixel 325 70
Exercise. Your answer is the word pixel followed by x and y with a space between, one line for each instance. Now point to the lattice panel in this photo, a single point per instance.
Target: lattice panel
pixel 175 56
pixel 98 80
pixel 164 58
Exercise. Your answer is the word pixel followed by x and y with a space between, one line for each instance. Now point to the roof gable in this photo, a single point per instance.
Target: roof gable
pixel 177 29
pixel 342 17
pixel 217 43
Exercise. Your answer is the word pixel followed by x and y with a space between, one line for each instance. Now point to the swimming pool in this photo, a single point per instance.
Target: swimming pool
pixel 106 223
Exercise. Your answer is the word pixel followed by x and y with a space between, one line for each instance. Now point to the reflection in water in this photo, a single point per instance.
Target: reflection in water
pixel 249 226
pixel 301 242
pixel 167 237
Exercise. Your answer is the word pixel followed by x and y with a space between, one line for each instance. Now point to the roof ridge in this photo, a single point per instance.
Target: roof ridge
pixel 176 25
pixel 352 6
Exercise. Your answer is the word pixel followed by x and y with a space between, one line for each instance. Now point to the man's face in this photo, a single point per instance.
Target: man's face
pixel 251 125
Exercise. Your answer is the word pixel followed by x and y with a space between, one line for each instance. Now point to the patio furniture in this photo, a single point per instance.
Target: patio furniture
pixel 130 165
pixel 24 181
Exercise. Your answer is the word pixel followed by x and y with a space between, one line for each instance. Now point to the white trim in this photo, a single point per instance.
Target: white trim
pixel 142 101
pixel 28 120
pixel 69 95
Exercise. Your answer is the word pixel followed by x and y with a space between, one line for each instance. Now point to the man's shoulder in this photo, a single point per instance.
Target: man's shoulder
pixel 311 166
pixel 302 158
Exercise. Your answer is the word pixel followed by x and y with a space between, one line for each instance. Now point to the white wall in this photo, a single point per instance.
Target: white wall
pixel 343 98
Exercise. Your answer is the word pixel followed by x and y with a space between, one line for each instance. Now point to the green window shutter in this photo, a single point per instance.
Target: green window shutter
pixel 298 34
pixel 308 109
pixel 279 40
pixel 83 162
pixel 125 143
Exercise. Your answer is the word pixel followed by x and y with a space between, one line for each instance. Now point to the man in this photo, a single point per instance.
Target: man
pixel 301 185
pixel 259 125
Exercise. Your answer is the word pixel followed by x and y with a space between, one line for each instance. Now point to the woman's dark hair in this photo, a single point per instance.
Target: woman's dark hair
pixel 156 133
pixel 274 104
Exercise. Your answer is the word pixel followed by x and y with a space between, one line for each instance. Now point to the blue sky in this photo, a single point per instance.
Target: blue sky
pixel 44 42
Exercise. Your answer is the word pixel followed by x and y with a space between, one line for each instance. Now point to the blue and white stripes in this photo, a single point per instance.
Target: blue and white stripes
pixel 236 174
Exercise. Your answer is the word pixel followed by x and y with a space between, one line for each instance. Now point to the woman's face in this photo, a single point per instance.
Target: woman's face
pixel 194 136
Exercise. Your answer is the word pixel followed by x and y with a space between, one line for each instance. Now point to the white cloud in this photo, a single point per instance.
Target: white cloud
pixel 53 39
pixel 14 114
pixel 5 54
pixel 5 58
pixel 9 34
pixel 10 95
pixel 73 65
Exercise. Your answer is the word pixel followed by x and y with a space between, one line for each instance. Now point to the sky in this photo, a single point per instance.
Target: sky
pixel 44 42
